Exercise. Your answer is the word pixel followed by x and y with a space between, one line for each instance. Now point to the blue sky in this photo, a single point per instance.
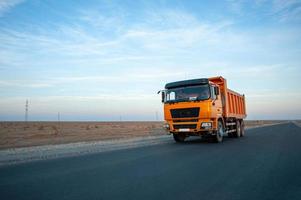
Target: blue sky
pixel 99 60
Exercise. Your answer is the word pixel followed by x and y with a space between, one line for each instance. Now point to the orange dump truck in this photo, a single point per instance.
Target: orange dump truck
pixel 203 107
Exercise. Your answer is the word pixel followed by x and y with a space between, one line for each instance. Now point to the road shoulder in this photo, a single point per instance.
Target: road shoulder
pixel 28 154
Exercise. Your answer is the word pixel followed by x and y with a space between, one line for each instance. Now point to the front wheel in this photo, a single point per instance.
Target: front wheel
pixel 220 132
pixel 242 128
pixel 179 137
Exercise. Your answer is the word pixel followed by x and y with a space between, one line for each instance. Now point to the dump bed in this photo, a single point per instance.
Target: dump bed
pixel 233 102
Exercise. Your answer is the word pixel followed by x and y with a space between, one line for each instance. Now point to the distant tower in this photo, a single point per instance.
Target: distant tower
pixel 26 110
pixel 157 117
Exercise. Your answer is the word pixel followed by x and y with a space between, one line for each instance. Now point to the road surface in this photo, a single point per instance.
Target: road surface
pixel 266 164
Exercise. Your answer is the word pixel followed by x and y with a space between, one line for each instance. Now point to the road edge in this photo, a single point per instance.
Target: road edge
pixel 20 155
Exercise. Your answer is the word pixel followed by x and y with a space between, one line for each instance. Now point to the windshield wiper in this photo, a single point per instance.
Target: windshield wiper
pixel 200 99
pixel 186 100
pixel 182 100
pixel 177 100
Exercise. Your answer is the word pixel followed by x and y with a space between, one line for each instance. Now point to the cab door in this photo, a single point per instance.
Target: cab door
pixel 217 107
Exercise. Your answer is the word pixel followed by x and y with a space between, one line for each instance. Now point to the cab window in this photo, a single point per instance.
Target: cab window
pixel 213 96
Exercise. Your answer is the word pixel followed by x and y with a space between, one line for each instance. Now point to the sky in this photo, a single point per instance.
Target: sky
pixel 105 60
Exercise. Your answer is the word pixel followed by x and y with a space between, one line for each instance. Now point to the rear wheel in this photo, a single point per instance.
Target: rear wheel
pixel 179 137
pixel 220 132
pixel 238 129
pixel 242 128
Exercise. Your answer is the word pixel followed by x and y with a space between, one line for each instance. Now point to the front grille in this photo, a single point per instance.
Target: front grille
pixel 178 126
pixel 185 112
pixel 185 120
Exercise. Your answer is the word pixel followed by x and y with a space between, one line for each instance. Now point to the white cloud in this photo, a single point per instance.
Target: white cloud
pixel 129 65
pixel 114 23
pixel 6 5
pixel 104 106
pixel 131 76
pixel 284 5
pixel 74 43
pixel 287 10
pixel 281 10
pixel 24 84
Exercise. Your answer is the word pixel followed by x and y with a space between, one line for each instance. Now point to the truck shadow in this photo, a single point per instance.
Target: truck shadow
pixel 199 140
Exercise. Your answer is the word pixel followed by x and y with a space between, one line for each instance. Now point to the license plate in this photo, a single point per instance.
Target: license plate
pixel 184 129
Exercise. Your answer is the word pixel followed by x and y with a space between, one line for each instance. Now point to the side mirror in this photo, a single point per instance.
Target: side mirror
pixel 216 90
pixel 162 96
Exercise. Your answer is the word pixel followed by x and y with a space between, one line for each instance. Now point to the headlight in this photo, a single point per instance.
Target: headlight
pixel 166 126
pixel 206 125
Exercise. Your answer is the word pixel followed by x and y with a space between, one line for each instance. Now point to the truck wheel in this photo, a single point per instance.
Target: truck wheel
pixel 238 129
pixel 220 132
pixel 179 137
pixel 242 128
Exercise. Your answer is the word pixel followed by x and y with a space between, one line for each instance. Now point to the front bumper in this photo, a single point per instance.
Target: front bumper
pixel 195 127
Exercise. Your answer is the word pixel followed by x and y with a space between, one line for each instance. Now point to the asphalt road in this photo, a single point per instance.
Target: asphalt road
pixel 266 164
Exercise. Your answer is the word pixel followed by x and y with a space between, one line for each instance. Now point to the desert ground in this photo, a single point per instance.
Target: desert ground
pixel 25 134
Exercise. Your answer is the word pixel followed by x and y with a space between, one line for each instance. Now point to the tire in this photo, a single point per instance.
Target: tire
pixel 220 132
pixel 179 137
pixel 242 128
pixel 238 129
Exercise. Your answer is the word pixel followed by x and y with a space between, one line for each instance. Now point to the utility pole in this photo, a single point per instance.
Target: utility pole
pixel 59 121
pixel 26 111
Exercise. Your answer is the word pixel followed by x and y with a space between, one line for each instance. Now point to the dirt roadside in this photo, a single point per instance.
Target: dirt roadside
pixel 21 134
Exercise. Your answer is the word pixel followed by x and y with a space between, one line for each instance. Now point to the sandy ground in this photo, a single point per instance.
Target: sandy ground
pixel 297 122
pixel 21 134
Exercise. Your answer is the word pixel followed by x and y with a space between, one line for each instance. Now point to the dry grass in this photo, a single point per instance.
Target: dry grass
pixel 21 134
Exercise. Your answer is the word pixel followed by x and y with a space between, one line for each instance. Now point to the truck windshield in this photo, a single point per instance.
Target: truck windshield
pixel 191 93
